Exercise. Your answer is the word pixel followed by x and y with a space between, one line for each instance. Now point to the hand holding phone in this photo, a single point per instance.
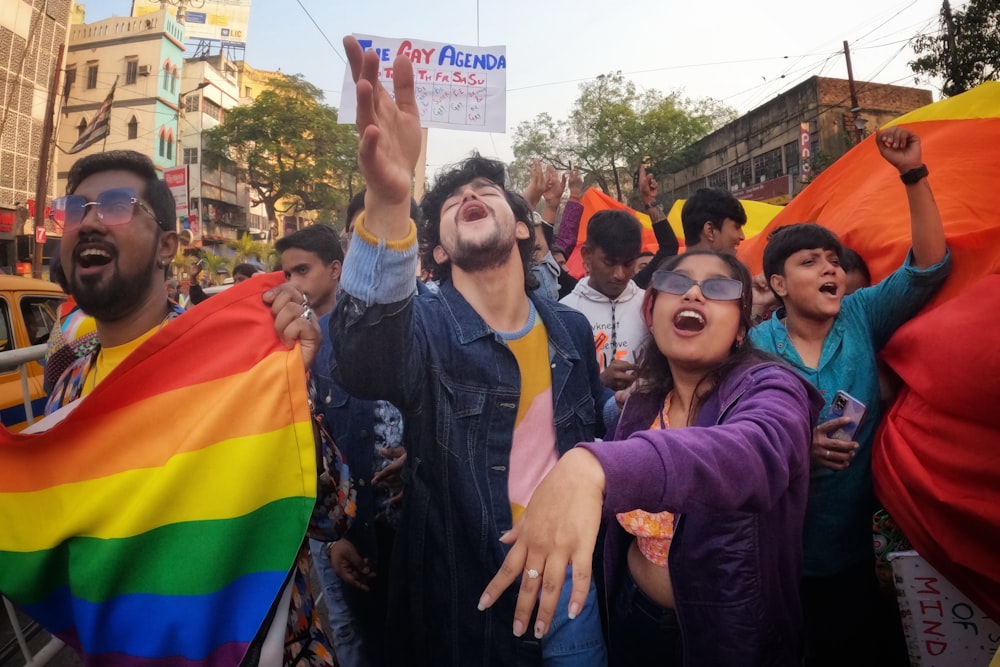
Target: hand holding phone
pixel 845 405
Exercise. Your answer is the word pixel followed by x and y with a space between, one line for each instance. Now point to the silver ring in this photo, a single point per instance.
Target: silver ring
pixel 307 314
pixel 532 574
pixel 826 453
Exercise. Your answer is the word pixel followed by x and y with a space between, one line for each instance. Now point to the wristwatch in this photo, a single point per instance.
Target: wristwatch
pixel 914 175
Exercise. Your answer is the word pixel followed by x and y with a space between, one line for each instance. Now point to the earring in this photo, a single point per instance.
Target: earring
pixel 160 264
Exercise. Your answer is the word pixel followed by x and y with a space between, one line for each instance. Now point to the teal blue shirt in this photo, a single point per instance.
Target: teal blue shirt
pixel 838 529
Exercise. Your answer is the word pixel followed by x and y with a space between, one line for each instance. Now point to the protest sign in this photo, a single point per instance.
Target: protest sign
pixel 457 87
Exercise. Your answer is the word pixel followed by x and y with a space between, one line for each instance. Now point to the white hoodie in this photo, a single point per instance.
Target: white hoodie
pixel 619 332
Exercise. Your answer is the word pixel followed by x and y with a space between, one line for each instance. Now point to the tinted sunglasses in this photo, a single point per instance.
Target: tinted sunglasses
pixel 114 207
pixel 717 289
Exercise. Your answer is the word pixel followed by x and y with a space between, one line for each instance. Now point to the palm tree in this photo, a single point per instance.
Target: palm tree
pixel 246 249
pixel 213 263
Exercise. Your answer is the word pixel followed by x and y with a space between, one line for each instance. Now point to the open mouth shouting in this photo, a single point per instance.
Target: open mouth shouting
pixel 93 257
pixel 689 321
pixel 472 211
pixel 829 288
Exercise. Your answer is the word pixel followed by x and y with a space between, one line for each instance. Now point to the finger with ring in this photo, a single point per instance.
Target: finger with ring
pixel 826 453
pixel 532 574
pixel 307 314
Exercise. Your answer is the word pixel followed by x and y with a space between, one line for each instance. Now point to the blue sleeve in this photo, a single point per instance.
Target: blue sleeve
pixel 898 298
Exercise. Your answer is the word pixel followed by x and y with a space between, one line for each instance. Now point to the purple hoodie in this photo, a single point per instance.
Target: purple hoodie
pixel 738 481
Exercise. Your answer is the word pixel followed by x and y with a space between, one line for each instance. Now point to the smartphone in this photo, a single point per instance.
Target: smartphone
pixel 845 405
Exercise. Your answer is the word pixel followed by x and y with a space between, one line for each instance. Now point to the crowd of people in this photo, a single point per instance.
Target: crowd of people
pixel 642 466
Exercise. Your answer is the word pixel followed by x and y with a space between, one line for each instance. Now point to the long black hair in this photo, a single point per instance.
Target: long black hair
pixel 653 375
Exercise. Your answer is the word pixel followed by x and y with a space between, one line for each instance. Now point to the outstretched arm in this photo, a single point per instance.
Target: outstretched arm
pixel 901 148
pixel 389 133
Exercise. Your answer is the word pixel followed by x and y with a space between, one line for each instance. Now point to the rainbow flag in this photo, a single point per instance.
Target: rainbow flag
pixel 157 523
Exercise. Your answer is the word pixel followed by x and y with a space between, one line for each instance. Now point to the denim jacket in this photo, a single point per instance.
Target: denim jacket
pixel 458 387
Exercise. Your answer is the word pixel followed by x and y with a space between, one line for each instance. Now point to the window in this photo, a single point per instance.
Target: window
pixel 92 76
pixel 740 175
pixel 212 110
pixel 190 156
pixel 166 77
pixel 792 158
pixel 170 148
pixel 6 337
pixel 192 102
pixel 718 180
pixel 39 315
pixel 133 128
pixel 131 70
pixel 173 83
pixel 163 144
pixel 81 127
pixel 767 165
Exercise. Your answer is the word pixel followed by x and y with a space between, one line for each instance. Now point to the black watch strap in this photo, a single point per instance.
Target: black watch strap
pixel 914 175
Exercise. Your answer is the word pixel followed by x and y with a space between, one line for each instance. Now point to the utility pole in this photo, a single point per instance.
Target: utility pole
pixel 855 106
pixel 42 178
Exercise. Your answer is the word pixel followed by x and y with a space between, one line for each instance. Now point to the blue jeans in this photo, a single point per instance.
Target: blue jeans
pixel 347 640
pixel 578 642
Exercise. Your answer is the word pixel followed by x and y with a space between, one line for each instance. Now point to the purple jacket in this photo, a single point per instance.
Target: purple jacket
pixel 740 489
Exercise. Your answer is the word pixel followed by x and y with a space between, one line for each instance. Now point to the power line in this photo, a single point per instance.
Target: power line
pixel 344 60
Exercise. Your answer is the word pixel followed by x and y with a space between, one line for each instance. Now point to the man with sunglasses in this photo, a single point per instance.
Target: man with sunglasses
pixel 118 238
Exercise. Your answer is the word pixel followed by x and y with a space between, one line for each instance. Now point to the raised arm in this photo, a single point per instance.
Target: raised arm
pixel 390 141
pixel 552 195
pixel 901 148
pixel 569 228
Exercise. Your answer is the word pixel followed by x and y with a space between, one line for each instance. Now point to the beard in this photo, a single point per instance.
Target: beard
pixel 489 253
pixel 115 299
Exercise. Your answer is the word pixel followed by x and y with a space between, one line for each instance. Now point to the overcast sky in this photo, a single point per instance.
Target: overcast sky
pixel 741 53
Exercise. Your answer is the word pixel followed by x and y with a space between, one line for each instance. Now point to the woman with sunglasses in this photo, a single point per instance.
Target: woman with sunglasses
pixel 702 494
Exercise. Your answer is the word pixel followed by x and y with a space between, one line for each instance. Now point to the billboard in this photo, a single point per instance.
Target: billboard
pixel 223 21
pixel 456 87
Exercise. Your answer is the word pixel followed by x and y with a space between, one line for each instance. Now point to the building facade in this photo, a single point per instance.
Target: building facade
pixel 32 32
pixel 771 153
pixel 142 59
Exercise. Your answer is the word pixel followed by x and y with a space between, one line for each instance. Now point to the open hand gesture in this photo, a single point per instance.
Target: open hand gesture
pixel 389 129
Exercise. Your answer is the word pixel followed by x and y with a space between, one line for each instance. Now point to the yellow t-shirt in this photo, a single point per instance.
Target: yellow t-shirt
pixel 109 358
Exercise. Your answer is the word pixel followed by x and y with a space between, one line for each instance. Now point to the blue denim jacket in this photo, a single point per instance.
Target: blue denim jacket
pixel 458 386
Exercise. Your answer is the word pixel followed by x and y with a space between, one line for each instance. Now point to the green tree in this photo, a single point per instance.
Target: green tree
pixel 246 249
pixel 213 263
pixel 289 148
pixel 612 127
pixel 966 52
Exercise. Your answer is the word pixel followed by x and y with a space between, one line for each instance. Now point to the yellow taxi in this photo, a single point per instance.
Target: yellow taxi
pixel 28 311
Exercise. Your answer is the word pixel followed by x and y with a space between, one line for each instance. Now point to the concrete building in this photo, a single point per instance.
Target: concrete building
pixel 220 206
pixel 770 153
pixel 31 35
pixel 143 59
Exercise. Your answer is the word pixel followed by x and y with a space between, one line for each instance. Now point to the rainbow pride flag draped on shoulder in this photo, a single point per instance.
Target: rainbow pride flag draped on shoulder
pixel 157 523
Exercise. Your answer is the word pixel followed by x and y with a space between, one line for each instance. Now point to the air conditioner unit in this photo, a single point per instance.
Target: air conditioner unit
pixel 144 70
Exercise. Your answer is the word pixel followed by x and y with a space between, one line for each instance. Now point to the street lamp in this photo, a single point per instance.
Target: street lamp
pixel 859 124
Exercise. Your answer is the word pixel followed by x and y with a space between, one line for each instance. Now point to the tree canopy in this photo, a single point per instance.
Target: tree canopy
pixel 966 51
pixel 612 127
pixel 289 148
